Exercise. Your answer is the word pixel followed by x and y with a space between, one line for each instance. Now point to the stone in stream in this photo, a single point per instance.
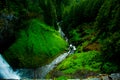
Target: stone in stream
pixel 115 76
pixel 72 49
pixel 105 78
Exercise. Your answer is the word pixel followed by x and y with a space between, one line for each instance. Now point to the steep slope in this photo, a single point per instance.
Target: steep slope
pixel 35 46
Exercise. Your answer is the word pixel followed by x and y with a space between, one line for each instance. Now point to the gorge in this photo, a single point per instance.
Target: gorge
pixel 38 39
pixel 6 71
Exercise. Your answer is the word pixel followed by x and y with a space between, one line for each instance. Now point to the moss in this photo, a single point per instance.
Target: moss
pixel 35 46
pixel 84 60
pixel 80 64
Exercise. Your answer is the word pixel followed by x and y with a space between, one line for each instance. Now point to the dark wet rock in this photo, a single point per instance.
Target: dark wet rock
pixel 115 76
pixel 92 79
pixel 26 73
pixel 57 73
pixel 83 74
pixel 7 32
pixel 105 78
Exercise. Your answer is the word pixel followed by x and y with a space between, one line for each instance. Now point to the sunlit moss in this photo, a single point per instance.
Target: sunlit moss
pixel 86 60
pixel 35 45
pixel 79 64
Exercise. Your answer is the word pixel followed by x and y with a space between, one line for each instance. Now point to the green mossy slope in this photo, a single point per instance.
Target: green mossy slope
pixel 78 65
pixel 35 46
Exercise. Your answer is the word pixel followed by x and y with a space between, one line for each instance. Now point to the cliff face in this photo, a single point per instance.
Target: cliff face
pixel 7 26
pixel 2 4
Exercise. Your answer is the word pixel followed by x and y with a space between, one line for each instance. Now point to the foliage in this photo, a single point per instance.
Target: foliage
pixel 111 52
pixel 86 60
pixel 49 11
pixel 79 64
pixel 75 36
pixel 85 22
pixel 107 27
pixel 106 14
pixel 29 9
pixel 109 67
pixel 35 46
pixel 79 12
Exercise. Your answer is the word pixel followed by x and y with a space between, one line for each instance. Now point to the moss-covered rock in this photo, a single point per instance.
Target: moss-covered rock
pixel 35 46
pixel 79 65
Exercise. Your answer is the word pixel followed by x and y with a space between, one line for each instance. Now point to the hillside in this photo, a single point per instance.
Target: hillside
pixel 29 36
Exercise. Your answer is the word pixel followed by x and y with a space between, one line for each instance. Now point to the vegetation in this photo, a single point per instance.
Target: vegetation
pixel 96 27
pixel 91 25
pixel 34 45
pixel 78 65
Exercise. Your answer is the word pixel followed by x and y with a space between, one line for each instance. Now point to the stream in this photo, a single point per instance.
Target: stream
pixel 41 72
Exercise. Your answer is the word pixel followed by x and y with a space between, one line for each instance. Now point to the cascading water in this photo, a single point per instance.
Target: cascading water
pixel 47 68
pixel 62 34
pixel 6 72
pixel 72 48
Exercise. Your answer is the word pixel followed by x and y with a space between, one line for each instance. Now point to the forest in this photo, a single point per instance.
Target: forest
pixel 29 36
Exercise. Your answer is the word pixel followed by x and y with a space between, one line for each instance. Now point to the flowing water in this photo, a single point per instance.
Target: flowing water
pixel 42 71
pixel 47 68
pixel 6 72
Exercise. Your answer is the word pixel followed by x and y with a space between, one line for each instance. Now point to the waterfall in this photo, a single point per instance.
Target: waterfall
pixel 6 72
pixel 71 48
pixel 62 34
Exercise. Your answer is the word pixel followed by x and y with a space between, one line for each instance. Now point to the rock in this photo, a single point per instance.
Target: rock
pixel 93 46
pixel 92 79
pixel 115 76
pixel 105 78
